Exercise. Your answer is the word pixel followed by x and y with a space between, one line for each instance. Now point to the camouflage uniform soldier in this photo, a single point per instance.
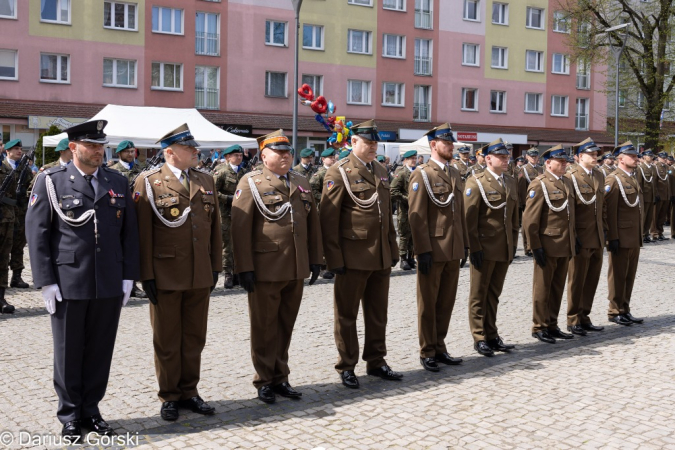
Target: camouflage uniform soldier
pixel 399 192
pixel 7 214
pixel 65 156
pixel 127 164
pixel 306 167
pixel 316 183
pixel 227 176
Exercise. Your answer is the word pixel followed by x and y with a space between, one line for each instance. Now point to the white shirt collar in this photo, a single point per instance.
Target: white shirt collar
pixel 177 172
pixel 588 172
pixel 63 163
pixel 362 161
pixel 125 164
pixel 95 174
pixel 630 174
pixel 235 168
pixel 552 174
pixel 497 177
pixel 440 164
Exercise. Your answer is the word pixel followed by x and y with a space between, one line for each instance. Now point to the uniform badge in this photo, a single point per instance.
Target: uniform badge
pixel 348 170
pixel 607 188
pixel 531 194
pixel 72 177
pixel 112 201
pixel 99 125
pixel 468 192
pixel 158 183
pixel 119 213
pixel 33 199
pixel 76 202
pixel 137 196
pixel 329 185
pixel 415 186
pixel 70 214
pixel 206 208
pixel 175 212
pixel 258 181
pixel 237 194
pixel 173 200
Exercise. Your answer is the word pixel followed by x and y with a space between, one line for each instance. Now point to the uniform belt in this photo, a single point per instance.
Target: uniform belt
pixel 8 201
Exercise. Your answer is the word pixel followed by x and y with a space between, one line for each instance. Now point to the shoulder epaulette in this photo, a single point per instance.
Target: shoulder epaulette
pixel 253 173
pixel 151 172
pixel 198 169
pixel 343 162
pixel 504 174
pixel 113 171
pixel 295 172
pixel 52 170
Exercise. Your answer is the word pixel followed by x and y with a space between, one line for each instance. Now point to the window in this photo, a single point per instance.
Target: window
pixel 315 82
pixel 119 15
pixel 500 13
pixel 533 103
pixel 535 18
pixel 359 42
pixel 581 120
pixel 560 22
pixel 54 68
pixel 424 16
pixel 561 64
pixel 9 65
pixel 422 104
pixel 8 9
pixel 471 10
pixel 393 46
pixel 397 5
pixel 640 99
pixel 361 2
pixel 622 98
pixel 207 34
pixel 423 59
pixel 312 37
pixel 534 61
pixel 583 74
pixel 666 103
pixel 358 92
pixel 167 76
pixel 583 34
pixel 206 87
pixel 469 99
pixel 276 84
pixel 500 58
pixel 55 11
pixel 275 33
pixel 119 73
pixel 393 94
pixel 559 105
pixel 470 55
pixel 498 102
pixel 167 20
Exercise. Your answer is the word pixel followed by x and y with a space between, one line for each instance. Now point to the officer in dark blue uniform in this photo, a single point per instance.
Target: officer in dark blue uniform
pixel 83 241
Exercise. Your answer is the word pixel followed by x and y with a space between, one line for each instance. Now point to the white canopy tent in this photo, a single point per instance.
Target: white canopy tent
pixel 145 125
pixel 422 146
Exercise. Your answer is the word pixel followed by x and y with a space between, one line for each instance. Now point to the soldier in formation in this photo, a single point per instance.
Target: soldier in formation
pixel 7 221
pixel 646 178
pixel 399 193
pixel 662 189
pixel 306 166
pixel 328 158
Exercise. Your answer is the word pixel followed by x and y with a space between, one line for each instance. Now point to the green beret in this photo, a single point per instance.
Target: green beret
pixel 124 145
pixel 343 154
pixel 306 152
pixel 410 154
pixel 233 149
pixel 380 158
pixel 62 145
pixel 13 143
pixel 328 152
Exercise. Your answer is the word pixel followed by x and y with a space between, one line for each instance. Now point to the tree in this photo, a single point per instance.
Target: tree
pixel 50 154
pixel 647 55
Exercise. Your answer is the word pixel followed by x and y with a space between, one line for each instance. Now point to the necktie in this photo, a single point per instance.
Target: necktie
pixel 499 180
pixel 446 169
pixel 284 179
pixel 369 166
pixel 184 181
pixel 89 178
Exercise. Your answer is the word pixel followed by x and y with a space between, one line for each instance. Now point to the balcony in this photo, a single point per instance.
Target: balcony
pixel 583 81
pixel 421 112
pixel 581 122
pixel 206 98
pixel 423 65
pixel 207 43
pixel 424 20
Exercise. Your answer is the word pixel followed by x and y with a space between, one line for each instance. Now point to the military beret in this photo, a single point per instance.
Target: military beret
pixel 410 154
pixel 13 143
pixel 328 152
pixel 62 145
pixel 233 149
pixel 124 145
pixel 343 154
pixel 306 153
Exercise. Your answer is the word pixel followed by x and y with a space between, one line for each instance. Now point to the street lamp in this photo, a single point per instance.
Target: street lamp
pixel 296 6
pixel 616 51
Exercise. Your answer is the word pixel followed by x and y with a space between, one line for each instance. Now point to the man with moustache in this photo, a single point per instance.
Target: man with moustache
pixel 623 197
pixel 549 220
pixel 646 176
pixel 529 172
pixel 590 224
pixel 662 190
pixel 491 207
pixel 359 242
pixel 462 164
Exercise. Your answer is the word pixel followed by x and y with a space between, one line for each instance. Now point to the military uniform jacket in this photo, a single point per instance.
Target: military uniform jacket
pixel 606 170
pixel 355 237
pixel 316 182
pixel 128 173
pixel 280 250
pixel 184 257
pixel 8 202
pixel 21 203
pixel 662 187
pixel 590 220
pixel 476 169
pixel 545 228
pixel 494 231
pixel 83 266
pixel 671 180
pixel 646 176
pixel 439 230
pixel 461 167
pixel 226 180
pixel 623 221
pixel 305 172
pixel 400 185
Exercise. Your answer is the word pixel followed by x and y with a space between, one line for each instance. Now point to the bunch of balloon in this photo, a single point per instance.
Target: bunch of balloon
pixel 336 125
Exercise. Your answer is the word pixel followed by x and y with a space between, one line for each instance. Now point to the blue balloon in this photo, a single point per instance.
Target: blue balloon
pixel 331 107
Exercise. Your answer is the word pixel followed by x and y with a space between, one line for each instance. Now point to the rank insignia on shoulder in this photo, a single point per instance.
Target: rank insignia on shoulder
pixel 237 194
pixel 158 182
pixel 415 186
pixel 258 181
pixel 531 194
pixel 468 192
pixel 329 185
pixel 137 196
pixel 607 188
pixel 33 199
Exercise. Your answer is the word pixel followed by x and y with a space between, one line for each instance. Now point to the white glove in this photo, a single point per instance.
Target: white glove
pixel 51 294
pixel 127 286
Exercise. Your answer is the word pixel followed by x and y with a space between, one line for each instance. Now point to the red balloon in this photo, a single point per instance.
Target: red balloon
pixel 305 91
pixel 320 105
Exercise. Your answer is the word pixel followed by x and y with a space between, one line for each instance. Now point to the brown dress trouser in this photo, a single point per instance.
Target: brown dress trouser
pixel 486 287
pixel 179 322
pixel 660 216
pixel 621 276
pixel 273 308
pixel 648 217
pixel 584 275
pixel 436 294
pixel 371 289
pixel 547 290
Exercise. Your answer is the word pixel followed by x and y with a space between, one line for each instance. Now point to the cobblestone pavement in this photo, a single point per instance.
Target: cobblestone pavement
pixel 614 389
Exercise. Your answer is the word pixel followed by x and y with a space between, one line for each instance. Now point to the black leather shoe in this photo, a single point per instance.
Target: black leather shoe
pixel 647 240
pixel 621 320
pixel 482 348
pixel 405 265
pixel 633 319
pixel 385 373
pixel 349 379
pixel 543 336
pixel 661 237
pixel 498 345
pixel 97 424
pixel 577 329
pixel 412 262
pixel 286 390
pixel 196 404
pixel 228 281
pixel 72 430
pixel 528 253
pixel 266 394
pixel 429 364
pixel 169 411
pixel 328 275
pixel 559 334
pixel 445 358
pixel 590 327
